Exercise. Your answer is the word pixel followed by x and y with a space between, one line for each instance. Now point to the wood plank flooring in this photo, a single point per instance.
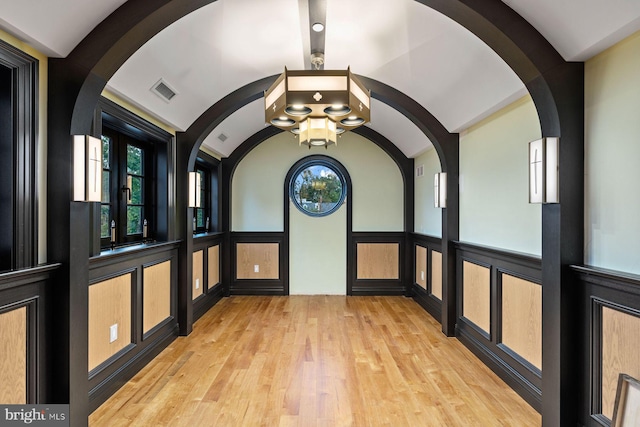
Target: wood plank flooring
pixel 316 361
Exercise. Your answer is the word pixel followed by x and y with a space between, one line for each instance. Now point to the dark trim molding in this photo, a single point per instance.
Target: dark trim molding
pixel 114 372
pixel 425 297
pixel 556 88
pixel 364 287
pixel 519 373
pixel 31 288
pixel 212 292
pixel 598 288
pixel 279 286
pixel 23 190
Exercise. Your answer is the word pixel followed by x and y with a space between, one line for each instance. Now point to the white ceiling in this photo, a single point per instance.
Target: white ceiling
pixel 402 43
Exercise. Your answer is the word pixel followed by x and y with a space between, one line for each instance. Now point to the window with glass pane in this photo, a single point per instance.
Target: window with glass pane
pixel 201 213
pixel 105 207
pixel 126 191
pixel 135 190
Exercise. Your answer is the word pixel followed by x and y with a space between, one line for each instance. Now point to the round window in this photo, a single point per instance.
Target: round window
pixel 317 188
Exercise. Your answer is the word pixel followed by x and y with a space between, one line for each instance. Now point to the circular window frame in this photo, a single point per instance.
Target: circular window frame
pixel 327 162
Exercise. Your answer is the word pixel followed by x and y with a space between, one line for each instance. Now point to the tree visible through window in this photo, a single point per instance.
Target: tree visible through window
pixel 125 187
pixel 317 189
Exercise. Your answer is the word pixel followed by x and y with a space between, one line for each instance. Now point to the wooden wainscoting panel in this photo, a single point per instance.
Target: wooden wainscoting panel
pixel 156 295
pixel 421 266
pixel 213 254
pixel 263 255
pixel 13 357
pixel 378 261
pixel 476 295
pixel 620 344
pixel 436 274
pixel 109 304
pixel 198 274
pixel 522 318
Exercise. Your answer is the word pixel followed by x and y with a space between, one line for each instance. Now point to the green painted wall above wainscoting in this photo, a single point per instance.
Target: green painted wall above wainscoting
pixel 494 173
pixel 258 184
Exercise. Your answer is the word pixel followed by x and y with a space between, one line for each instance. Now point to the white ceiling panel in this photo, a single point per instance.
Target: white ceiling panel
pixel 54 27
pixel 580 29
pixel 398 129
pixel 238 127
pixel 402 43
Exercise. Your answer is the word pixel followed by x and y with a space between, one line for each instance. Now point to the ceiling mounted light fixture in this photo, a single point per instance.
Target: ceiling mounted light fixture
pixel 317 27
pixel 317 105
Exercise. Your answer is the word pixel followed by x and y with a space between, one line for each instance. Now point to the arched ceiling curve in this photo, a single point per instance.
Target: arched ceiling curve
pixel 422 53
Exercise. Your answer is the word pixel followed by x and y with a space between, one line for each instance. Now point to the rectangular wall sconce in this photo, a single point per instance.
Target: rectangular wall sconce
pixel 440 190
pixel 87 168
pixel 194 190
pixel 544 171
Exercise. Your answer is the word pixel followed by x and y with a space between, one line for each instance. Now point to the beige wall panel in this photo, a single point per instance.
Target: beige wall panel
pixel 620 344
pixel 13 357
pixel 522 318
pixel 213 254
pixel 436 274
pixel 476 290
pixel 156 295
pixel 264 255
pixel 198 274
pixel 378 261
pixel 421 266
pixel 109 304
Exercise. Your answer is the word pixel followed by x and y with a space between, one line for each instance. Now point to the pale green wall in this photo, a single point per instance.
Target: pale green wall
pixel 318 246
pixel 427 219
pixel 318 253
pixel 612 157
pixel 258 184
pixel 494 207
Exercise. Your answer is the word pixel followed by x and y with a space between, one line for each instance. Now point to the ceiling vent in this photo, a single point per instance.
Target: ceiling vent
pixel 222 137
pixel 420 171
pixel 163 90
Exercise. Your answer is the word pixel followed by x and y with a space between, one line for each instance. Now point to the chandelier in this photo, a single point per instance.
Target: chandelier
pixel 317 105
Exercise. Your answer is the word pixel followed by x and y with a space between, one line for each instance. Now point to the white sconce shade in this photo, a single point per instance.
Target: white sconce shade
pixel 440 190
pixel 543 171
pixel 194 190
pixel 87 168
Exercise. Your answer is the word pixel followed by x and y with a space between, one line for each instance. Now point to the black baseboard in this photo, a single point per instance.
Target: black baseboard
pixel 431 304
pixel 529 392
pixel 392 290
pixel 202 305
pixel 100 393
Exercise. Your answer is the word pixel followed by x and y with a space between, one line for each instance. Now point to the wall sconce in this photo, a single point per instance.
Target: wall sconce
pixel 543 171
pixel 194 190
pixel 87 168
pixel 440 190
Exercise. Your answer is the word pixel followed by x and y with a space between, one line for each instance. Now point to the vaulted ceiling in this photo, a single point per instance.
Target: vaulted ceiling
pixel 228 44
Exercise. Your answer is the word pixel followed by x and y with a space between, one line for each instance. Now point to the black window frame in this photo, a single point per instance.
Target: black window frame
pixel 161 213
pixel 119 191
pixel 209 167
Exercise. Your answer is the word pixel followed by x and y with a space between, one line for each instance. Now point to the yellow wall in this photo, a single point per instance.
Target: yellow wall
pixel 612 155
pixel 41 167
pixel 494 173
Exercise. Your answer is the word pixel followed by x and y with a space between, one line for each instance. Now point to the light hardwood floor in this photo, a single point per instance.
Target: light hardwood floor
pixel 316 361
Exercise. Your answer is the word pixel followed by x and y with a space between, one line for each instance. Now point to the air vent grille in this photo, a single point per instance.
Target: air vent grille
pixel 163 90
pixel 222 137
